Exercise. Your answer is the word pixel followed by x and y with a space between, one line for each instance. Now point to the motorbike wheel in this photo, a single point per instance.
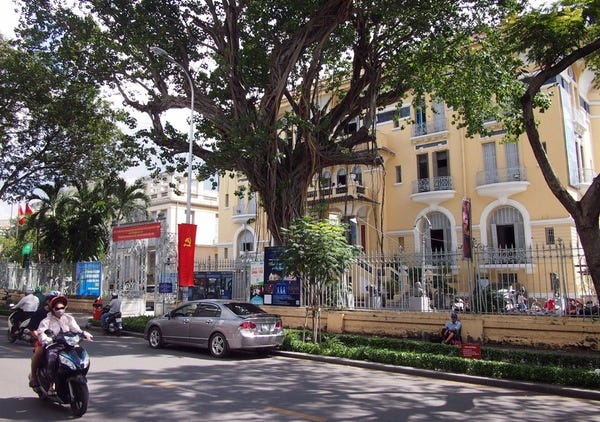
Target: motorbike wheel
pixel 113 329
pixel 11 337
pixel 79 401
pixel 155 339
pixel 217 345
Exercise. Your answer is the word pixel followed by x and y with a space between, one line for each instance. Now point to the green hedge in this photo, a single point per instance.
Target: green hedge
pixel 542 367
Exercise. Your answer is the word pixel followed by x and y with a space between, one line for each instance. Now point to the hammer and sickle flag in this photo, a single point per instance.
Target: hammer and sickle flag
pixel 186 245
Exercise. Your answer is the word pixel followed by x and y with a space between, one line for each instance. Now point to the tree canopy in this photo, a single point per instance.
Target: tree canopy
pixel 52 126
pixel 276 83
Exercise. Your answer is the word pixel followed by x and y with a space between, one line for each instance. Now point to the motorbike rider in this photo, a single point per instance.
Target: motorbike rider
pixel 57 321
pixel 38 349
pixel 28 304
pixel 114 305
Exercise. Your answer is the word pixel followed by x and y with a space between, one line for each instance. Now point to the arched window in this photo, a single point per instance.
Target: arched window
pixel 245 242
pixel 356 175
pixel 326 179
pixel 440 239
pixel 506 230
pixel 341 177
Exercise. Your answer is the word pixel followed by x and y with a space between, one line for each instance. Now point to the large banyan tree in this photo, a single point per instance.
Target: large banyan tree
pixel 329 61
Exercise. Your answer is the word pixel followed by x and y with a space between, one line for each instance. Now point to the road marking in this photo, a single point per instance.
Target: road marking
pixel 304 416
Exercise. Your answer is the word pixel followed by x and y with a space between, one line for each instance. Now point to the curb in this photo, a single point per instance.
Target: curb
pixel 449 376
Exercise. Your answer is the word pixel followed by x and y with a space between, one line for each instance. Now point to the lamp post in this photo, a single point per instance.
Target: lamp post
pixel 160 52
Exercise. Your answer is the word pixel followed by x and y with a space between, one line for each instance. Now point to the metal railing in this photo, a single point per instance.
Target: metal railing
pixel 501 175
pixel 543 280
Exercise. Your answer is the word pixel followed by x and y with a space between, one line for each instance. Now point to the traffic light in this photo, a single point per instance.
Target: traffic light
pixel 26 251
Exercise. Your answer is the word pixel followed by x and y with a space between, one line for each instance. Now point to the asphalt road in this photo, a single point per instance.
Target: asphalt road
pixel 128 381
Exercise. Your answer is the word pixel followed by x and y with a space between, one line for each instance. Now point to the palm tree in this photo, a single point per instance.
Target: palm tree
pixel 87 228
pixel 127 202
pixel 50 222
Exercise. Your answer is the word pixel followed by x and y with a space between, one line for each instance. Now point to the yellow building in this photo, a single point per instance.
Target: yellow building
pixel 413 204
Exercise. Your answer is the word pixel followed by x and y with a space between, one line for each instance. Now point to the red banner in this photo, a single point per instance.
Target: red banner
pixel 136 232
pixel 466 228
pixel 186 245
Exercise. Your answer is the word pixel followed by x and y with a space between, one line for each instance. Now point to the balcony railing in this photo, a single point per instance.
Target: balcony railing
pixel 354 190
pixel 428 128
pixel 501 175
pixel 501 256
pixel 432 184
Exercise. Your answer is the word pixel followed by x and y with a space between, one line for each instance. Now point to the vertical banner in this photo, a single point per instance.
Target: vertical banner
pixel 466 228
pixel 186 244
pixel 257 283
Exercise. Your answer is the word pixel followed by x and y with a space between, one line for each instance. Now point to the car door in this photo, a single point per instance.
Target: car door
pixel 203 323
pixel 177 328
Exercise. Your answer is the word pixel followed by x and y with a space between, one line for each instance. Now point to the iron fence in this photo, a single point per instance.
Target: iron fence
pixel 547 279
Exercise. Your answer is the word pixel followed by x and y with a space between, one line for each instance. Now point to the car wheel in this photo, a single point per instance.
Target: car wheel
pixel 155 339
pixel 218 345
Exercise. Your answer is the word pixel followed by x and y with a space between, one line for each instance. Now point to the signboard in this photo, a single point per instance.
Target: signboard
pixel 279 288
pixel 257 282
pixel 136 232
pixel 167 282
pixel 211 285
pixel 470 350
pixel 89 278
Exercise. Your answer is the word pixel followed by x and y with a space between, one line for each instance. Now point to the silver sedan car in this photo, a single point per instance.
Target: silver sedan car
pixel 217 325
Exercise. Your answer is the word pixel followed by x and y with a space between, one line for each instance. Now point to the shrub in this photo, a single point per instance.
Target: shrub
pixel 541 367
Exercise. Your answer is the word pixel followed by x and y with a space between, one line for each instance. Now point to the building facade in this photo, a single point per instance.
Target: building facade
pixel 439 192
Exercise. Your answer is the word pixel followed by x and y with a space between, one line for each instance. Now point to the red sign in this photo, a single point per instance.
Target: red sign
pixel 136 232
pixel 186 246
pixel 470 350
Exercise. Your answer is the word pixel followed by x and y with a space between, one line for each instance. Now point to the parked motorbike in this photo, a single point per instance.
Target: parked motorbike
pixel 22 332
pixel 114 323
pixel 70 382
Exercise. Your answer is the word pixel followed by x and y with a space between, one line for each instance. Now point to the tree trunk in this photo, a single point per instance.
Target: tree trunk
pixel 586 211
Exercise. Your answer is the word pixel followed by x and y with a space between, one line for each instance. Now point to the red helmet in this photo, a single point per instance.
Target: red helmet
pixel 57 300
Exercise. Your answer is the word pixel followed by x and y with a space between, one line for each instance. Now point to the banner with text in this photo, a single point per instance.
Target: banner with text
pixel 136 232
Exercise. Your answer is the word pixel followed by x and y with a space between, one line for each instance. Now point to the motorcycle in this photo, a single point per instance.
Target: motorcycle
pixel 22 332
pixel 70 382
pixel 114 322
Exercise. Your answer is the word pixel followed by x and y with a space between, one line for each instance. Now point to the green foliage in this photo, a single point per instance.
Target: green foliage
pixel 52 125
pixel 540 367
pixel 331 62
pixel 72 224
pixel 317 251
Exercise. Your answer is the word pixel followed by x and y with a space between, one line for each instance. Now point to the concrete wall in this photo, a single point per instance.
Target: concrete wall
pixel 534 331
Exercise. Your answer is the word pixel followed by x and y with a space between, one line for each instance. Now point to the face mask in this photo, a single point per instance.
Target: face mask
pixel 59 312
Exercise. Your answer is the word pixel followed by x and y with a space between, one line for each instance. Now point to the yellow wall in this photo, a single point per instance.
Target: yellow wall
pixel 516 330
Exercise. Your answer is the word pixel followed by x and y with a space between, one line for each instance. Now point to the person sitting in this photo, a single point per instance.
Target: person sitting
pixel 38 349
pixel 451 330
pixel 56 322
pixel 28 305
pixel 114 305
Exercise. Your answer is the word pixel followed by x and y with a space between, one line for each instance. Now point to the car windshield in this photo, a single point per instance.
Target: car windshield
pixel 243 309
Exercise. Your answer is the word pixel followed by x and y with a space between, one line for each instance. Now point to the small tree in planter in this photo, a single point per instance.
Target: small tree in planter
pixel 316 251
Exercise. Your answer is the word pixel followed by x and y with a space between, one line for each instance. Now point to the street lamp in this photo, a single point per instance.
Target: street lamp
pixel 160 52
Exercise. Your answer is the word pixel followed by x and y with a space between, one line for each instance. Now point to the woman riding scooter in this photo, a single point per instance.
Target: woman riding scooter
pixel 57 321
